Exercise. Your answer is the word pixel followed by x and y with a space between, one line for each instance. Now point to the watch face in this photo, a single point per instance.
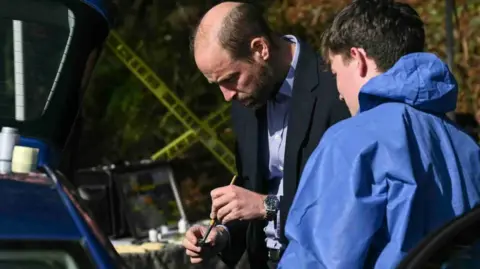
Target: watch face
pixel 271 203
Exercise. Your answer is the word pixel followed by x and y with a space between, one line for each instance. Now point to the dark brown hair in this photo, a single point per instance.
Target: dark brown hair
pixel 385 29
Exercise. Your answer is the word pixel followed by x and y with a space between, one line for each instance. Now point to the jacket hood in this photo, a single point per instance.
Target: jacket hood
pixel 421 80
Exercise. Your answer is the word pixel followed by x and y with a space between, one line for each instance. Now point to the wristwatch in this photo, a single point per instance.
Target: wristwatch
pixel 271 204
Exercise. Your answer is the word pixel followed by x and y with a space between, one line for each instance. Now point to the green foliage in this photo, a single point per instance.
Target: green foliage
pixel 132 123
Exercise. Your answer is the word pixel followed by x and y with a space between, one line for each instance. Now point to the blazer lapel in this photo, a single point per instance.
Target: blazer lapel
pixel 256 135
pixel 302 106
pixel 301 109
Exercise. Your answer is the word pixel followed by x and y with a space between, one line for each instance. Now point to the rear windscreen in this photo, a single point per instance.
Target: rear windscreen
pixel 34 39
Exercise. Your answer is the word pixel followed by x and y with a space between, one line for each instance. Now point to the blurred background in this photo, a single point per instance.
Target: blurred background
pixel 124 120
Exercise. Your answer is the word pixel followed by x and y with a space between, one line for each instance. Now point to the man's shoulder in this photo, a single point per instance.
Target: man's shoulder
pixel 312 53
pixel 315 69
pixel 307 48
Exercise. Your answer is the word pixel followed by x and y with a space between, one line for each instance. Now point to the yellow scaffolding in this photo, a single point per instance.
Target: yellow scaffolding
pixel 196 129
pixel 187 139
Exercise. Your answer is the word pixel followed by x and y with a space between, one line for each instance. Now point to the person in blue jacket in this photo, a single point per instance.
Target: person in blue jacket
pixel 380 181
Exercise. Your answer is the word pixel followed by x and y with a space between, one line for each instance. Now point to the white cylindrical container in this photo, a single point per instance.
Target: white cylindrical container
pixel 182 226
pixel 152 235
pixel 8 139
pixel 164 229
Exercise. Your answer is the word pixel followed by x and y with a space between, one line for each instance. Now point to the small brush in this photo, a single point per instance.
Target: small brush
pixel 213 222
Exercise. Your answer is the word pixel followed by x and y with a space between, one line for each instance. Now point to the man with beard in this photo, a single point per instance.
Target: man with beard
pixel 276 83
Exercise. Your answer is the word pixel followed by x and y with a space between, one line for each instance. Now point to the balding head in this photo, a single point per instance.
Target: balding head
pixel 231 26
pixel 211 23
pixel 232 48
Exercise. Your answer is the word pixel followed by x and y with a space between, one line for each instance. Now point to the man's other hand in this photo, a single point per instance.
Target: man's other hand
pixel 236 203
pixel 216 241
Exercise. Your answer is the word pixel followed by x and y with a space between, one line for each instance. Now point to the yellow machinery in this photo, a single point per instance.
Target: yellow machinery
pixel 196 130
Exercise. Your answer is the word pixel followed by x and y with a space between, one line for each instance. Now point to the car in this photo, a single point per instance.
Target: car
pixel 49 49
pixel 455 245
pixel 43 225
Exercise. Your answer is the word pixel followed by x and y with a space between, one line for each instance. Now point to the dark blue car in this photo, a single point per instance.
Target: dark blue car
pixel 42 225
pixel 48 49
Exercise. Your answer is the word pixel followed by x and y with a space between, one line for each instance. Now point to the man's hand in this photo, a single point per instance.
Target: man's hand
pixel 236 203
pixel 216 242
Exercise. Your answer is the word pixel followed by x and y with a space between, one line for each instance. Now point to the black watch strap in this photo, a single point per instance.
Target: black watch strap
pixel 271 215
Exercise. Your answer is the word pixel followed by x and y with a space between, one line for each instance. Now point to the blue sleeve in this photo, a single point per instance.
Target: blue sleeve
pixel 339 205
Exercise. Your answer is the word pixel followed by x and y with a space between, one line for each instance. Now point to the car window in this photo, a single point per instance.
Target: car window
pixel 454 257
pixel 33 50
pixel 37 260
pixel 455 245
pixel 463 257
pixel 44 254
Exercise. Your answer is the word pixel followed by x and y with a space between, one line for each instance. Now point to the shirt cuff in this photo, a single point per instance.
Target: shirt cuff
pixel 226 229
pixel 227 234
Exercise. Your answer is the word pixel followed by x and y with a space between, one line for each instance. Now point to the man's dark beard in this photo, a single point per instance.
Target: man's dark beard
pixel 265 89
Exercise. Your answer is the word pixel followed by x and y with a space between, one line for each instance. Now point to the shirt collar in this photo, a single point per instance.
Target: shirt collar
pixel 287 85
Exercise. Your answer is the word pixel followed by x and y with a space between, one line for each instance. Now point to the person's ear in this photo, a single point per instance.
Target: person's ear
pixel 360 57
pixel 259 48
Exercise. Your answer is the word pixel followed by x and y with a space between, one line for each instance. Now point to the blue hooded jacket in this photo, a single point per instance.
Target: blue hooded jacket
pixel 380 181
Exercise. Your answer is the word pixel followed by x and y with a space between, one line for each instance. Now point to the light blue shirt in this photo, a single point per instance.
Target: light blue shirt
pixel 278 111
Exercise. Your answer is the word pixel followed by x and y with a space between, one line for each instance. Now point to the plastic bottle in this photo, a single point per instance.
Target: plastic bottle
pixel 8 139
pixel 182 226
pixel 153 235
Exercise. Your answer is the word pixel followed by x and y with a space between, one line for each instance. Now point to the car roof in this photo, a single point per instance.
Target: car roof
pixel 104 7
pixel 34 211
